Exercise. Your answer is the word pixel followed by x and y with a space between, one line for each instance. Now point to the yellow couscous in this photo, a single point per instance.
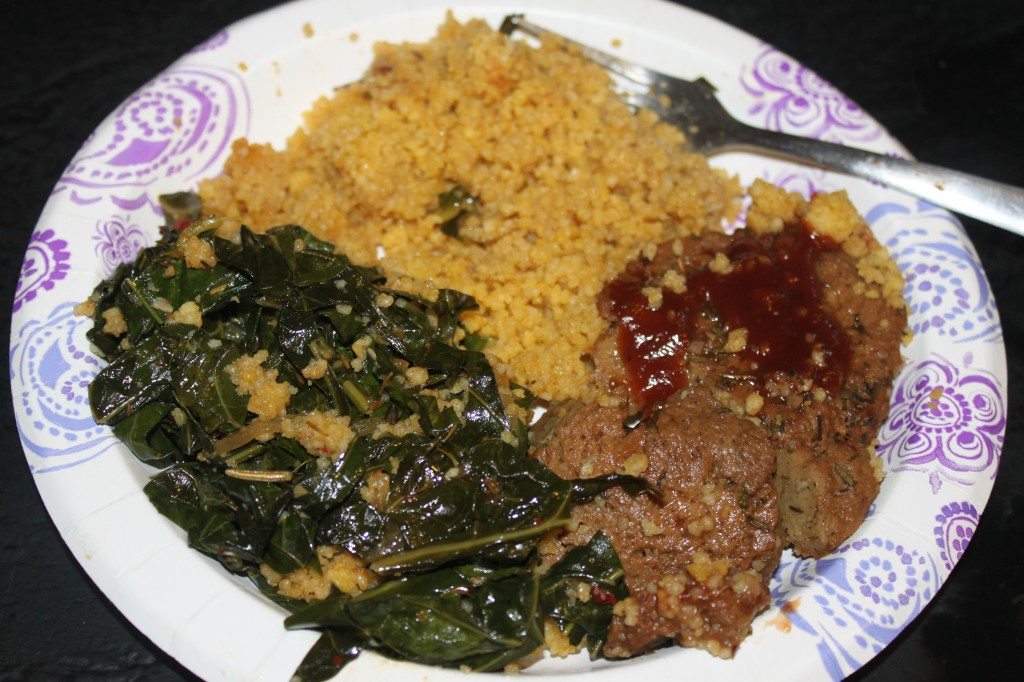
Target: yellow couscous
pixel 569 183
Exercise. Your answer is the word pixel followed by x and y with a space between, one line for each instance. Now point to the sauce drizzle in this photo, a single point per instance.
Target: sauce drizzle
pixel 771 290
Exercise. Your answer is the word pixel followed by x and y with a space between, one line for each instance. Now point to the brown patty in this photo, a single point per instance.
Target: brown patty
pixel 716 472
pixel 743 478
pixel 825 479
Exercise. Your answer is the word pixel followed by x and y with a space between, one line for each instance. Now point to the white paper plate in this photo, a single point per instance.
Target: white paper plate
pixel 941 445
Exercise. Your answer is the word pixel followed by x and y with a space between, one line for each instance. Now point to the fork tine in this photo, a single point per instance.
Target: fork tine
pixel 632 72
pixel 691 106
pixel 641 100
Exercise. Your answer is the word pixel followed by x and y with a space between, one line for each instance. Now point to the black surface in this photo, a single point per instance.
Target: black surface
pixel 943 76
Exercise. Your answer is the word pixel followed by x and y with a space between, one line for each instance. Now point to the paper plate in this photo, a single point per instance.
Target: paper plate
pixel 940 447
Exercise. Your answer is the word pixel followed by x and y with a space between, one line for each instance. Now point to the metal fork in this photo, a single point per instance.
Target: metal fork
pixel 710 129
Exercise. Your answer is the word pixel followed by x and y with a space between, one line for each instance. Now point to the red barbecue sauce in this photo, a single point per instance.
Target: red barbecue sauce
pixel 771 290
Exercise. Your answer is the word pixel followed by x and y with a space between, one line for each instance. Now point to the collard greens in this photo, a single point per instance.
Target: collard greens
pixel 455 541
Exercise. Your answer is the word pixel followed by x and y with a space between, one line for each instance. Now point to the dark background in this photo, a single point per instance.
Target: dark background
pixel 944 76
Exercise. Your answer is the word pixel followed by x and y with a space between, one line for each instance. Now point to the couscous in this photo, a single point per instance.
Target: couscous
pixel 570 185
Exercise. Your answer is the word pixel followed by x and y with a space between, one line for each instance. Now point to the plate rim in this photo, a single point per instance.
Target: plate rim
pixel 69 528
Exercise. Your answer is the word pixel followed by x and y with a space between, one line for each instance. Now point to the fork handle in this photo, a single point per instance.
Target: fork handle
pixel 995 203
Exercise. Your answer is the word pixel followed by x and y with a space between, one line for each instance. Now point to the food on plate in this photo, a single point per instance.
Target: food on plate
pixel 335 440
pixel 568 185
pixel 697 566
pixel 755 371
pixel 352 434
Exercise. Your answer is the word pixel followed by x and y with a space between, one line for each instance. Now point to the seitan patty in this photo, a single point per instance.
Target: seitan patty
pixel 826 476
pixel 751 460
pixel 698 565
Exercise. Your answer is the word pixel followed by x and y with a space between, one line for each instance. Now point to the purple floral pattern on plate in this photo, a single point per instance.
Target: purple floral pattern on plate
pixel 176 126
pixel 956 524
pixel 51 367
pixel 45 264
pixel 805 182
pixel 946 289
pixel 218 39
pixel 946 421
pixel 792 98
pixel 117 241
pixel 857 600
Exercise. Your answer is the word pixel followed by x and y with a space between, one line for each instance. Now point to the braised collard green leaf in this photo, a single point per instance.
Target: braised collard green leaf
pixel 140 376
pixel 181 208
pixel 452 207
pixel 598 566
pixel 475 616
pixel 331 652
pixel 497 499
pixel 265 266
pixel 202 385
pixel 191 498
pixel 428 482
pixel 355 526
pixel 586 489
pixel 258 508
pixel 142 434
pixel 291 546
